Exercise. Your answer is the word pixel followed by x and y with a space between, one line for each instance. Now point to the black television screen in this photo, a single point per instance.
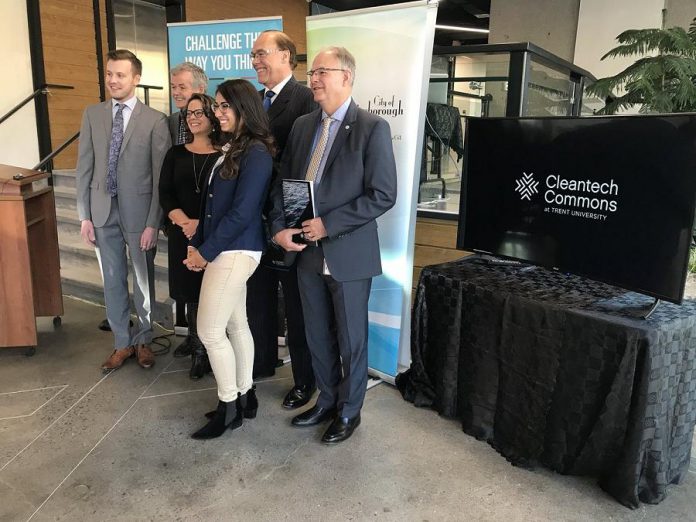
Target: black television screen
pixel 608 198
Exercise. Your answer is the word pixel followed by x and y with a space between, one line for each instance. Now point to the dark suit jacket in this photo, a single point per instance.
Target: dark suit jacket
pixel 173 121
pixel 292 102
pixel 357 186
pixel 231 217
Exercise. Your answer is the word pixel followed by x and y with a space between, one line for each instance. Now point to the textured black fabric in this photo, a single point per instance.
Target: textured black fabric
pixel 559 370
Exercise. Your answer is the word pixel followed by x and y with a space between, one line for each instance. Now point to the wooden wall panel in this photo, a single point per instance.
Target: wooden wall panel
pixel 70 58
pixel 436 241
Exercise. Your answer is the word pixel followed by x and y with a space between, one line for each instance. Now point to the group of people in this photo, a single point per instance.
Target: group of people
pixel 218 191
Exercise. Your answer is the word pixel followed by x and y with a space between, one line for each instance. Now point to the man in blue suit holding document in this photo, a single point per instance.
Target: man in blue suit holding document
pixel 347 153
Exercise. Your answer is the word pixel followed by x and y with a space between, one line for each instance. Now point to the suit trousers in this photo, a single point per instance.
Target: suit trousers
pixel 262 310
pixel 222 323
pixel 114 246
pixel 337 328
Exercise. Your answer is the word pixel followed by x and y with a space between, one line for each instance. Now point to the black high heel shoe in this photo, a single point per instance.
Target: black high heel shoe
pixel 249 404
pixel 228 415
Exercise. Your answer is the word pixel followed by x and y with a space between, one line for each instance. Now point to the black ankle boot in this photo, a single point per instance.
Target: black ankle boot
pixel 188 344
pixel 200 364
pixel 248 403
pixel 228 415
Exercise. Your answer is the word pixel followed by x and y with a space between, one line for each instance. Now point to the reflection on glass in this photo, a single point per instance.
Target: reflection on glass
pixel 591 103
pixel 550 91
pixel 467 85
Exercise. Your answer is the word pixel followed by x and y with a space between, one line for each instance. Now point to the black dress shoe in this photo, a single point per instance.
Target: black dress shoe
pixel 341 429
pixel 298 396
pixel 313 416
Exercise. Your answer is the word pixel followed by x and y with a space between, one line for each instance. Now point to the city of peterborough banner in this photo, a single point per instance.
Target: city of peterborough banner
pixel 221 48
pixel 393 48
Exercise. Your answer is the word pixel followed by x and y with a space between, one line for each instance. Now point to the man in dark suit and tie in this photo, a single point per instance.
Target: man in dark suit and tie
pixel 122 146
pixel 274 57
pixel 347 153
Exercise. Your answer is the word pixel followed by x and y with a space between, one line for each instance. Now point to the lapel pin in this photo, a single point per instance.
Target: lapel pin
pixel 347 127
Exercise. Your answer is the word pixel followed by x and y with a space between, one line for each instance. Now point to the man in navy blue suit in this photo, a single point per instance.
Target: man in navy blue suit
pixel 347 153
pixel 274 57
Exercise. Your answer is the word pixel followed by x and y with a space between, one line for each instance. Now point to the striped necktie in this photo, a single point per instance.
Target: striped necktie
pixel 318 153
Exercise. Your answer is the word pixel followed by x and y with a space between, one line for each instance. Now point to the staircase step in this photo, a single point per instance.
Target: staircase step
pixel 64 178
pixel 65 197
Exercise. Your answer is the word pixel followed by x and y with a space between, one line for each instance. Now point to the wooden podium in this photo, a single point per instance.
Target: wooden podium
pixel 29 257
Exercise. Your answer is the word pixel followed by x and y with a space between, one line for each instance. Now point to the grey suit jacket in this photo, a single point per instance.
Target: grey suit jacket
pixel 144 146
pixel 357 186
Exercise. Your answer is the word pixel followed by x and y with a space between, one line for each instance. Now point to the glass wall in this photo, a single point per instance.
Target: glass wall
pixel 485 81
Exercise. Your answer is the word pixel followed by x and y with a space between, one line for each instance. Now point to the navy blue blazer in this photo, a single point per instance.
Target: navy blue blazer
pixel 231 209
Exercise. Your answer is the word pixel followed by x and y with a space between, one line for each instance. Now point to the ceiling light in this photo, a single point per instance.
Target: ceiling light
pixel 461 29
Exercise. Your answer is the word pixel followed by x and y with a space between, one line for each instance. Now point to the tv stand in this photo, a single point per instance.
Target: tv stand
pixel 651 308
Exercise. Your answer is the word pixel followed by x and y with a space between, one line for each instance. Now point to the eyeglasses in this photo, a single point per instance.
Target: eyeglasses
pixel 222 107
pixel 321 71
pixel 198 113
pixel 262 53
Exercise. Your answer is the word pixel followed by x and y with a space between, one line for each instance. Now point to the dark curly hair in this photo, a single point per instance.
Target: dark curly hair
pixel 207 103
pixel 252 124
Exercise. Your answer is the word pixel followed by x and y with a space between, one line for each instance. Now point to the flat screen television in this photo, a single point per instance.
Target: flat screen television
pixel 608 198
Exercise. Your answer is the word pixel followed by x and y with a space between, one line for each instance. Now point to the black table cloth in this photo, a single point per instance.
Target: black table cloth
pixel 555 369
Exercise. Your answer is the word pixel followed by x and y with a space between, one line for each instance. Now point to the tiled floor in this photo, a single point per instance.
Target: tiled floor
pixel 77 445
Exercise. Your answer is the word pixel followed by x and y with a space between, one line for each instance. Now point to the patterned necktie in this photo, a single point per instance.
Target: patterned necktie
pixel 114 150
pixel 267 100
pixel 318 153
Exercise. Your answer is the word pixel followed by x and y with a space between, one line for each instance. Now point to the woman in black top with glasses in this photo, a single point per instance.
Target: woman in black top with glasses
pixel 184 175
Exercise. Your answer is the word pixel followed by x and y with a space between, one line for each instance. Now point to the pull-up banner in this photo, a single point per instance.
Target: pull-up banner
pixel 393 48
pixel 221 48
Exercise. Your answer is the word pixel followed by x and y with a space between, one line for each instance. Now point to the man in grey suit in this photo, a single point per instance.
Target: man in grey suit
pixel 347 153
pixel 122 146
pixel 186 80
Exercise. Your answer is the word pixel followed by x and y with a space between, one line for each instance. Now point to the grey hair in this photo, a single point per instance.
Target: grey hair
pixel 199 76
pixel 345 58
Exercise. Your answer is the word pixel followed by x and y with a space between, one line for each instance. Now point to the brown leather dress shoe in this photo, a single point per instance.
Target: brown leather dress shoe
pixel 146 359
pixel 117 359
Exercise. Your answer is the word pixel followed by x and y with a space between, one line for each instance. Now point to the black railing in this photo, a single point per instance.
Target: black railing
pixel 45 89
pixel 147 88
pixel 53 154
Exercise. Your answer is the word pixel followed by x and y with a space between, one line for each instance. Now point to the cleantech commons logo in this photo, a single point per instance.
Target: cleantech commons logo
pixel 527 186
pixel 581 198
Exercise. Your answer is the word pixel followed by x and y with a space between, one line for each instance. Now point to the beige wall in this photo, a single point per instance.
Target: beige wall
pixel 18 133
pixel 679 13
pixel 600 22
pixel 550 24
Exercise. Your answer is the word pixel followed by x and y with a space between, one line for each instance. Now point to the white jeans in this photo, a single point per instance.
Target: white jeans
pixel 222 314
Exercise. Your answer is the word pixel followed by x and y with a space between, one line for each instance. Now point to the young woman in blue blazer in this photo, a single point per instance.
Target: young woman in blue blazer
pixel 228 244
